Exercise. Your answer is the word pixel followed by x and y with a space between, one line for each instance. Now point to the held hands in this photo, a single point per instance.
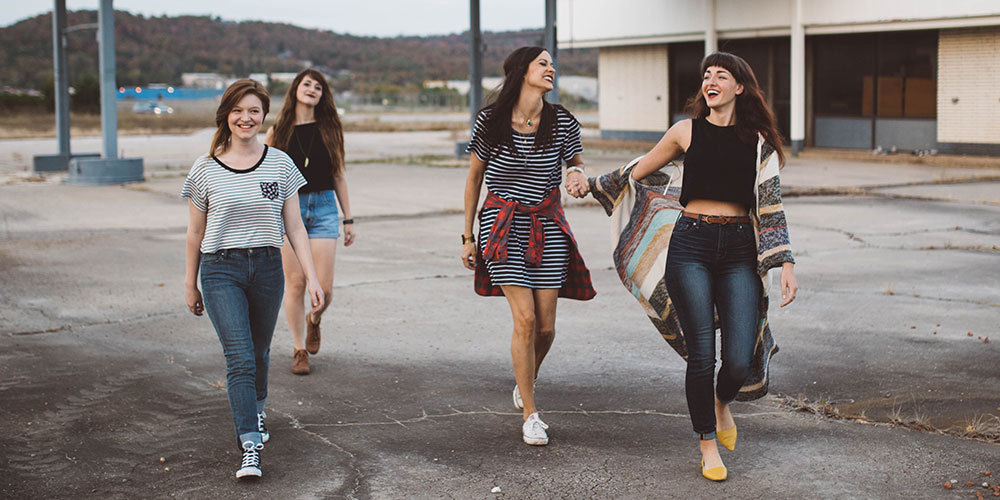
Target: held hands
pixel 576 184
pixel 469 255
pixel 316 297
pixel 789 287
pixel 193 297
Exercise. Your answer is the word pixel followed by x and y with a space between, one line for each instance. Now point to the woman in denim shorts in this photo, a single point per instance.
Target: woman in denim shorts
pixel 243 198
pixel 309 129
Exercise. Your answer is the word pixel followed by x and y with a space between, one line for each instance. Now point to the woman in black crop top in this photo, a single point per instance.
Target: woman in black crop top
pixel 712 259
pixel 309 130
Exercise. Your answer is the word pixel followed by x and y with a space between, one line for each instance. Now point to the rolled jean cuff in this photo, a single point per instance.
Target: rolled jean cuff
pixel 260 405
pixel 705 436
pixel 253 437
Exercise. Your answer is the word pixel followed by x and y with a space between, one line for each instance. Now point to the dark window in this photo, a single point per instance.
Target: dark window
pixel 906 84
pixel 685 75
pixel 769 58
pixel 843 69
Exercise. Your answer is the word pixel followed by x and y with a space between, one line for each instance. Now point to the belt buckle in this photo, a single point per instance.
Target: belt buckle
pixel 716 219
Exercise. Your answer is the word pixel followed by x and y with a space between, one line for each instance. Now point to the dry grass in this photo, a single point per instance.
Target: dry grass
pixel 888 289
pixel 937 160
pixel 981 428
pixel 599 144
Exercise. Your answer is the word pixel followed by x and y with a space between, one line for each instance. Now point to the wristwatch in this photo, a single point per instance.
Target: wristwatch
pixel 468 239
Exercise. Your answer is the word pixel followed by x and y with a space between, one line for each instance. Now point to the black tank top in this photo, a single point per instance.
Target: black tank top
pixel 718 165
pixel 306 142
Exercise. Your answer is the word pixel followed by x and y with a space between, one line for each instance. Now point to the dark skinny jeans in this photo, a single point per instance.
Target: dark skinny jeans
pixel 713 267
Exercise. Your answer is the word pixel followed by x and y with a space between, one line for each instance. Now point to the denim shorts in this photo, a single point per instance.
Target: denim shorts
pixel 320 214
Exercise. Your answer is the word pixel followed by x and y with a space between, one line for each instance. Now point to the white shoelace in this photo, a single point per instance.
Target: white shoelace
pixel 251 454
pixel 260 422
pixel 536 421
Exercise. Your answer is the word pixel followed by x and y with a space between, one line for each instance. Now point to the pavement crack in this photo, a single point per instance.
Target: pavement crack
pixel 359 475
pixel 402 280
pixel 71 326
pixel 912 295
pixel 425 417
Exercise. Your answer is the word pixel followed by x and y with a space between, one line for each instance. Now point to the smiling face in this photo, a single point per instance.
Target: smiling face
pixel 719 88
pixel 246 117
pixel 309 91
pixel 541 72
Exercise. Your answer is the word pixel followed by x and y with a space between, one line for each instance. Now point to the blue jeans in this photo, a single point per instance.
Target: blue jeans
pixel 713 268
pixel 242 290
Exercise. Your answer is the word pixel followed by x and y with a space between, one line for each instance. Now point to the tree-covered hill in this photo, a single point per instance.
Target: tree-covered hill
pixel 159 49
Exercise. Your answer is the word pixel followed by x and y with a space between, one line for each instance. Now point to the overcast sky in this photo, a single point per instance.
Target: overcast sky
pixel 383 18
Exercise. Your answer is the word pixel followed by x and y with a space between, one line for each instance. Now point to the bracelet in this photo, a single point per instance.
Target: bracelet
pixel 575 169
pixel 348 221
pixel 468 239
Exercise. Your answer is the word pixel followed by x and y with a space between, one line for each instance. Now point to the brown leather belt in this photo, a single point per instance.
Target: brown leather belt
pixel 718 219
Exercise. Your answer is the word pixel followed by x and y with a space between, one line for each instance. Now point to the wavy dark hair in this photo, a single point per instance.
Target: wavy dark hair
pixel 753 115
pixel 498 129
pixel 327 120
pixel 230 98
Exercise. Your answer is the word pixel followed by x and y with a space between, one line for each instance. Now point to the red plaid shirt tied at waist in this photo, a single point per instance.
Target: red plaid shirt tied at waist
pixel 578 284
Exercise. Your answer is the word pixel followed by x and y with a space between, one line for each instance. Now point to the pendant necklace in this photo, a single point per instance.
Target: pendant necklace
pixel 306 152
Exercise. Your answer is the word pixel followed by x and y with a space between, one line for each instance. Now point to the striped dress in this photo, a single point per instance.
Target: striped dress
pixel 243 207
pixel 527 176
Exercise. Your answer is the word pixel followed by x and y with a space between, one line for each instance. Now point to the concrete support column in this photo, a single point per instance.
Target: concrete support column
pixel 798 73
pixel 711 36
pixel 551 45
pixel 109 87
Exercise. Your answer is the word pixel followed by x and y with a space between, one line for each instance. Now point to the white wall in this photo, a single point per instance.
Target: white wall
pixel 968 100
pixel 633 88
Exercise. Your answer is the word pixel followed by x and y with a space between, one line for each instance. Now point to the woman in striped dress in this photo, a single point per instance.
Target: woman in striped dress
pixel 243 199
pixel 526 250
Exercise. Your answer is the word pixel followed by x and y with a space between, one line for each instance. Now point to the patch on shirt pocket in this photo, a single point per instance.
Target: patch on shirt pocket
pixel 269 190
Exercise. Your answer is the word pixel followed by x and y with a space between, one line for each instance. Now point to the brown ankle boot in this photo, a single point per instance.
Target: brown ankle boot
pixel 300 365
pixel 312 335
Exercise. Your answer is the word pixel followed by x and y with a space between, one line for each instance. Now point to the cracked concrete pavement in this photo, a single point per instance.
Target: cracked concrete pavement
pixel 103 371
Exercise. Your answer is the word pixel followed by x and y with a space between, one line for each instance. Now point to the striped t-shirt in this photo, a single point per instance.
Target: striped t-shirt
pixel 243 207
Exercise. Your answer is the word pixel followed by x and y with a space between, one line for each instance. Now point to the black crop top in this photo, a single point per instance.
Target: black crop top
pixel 718 165
pixel 319 172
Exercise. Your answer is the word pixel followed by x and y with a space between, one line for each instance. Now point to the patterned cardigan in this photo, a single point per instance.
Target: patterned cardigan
pixel 642 218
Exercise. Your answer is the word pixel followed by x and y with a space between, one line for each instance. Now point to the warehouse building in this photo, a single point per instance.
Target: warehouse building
pixel 862 74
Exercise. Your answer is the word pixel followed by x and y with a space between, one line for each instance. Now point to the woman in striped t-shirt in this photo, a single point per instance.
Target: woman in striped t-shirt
pixel 243 199
pixel 526 250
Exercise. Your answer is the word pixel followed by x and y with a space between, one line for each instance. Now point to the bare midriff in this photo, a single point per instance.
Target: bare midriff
pixel 713 207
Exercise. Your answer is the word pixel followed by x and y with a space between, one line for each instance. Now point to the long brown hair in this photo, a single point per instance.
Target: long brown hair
pixel 753 115
pixel 327 120
pixel 230 98
pixel 498 129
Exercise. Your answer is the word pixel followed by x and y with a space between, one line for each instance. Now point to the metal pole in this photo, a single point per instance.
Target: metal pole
pixel 109 111
pixel 552 45
pixel 60 77
pixel 711 36
pixel 475 63
pixel 798 79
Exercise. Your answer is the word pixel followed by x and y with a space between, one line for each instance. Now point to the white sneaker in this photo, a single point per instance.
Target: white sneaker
pixel 533 431
pixel 518 403
pixel 250 467
pixel 264 435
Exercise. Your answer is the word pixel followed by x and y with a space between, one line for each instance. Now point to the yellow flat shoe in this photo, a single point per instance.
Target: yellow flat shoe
pixel 727 438
pixel 715 473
